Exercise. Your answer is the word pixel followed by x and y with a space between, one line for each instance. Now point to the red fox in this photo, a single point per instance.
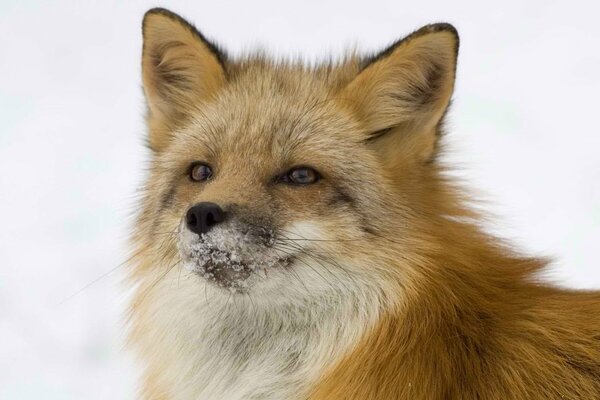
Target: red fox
pixel 300 238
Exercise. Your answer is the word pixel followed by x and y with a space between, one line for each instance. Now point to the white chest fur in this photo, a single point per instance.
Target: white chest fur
pixel 203 343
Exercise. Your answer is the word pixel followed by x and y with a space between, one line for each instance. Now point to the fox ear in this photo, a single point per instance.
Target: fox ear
pixel 180 69
pixel 401 94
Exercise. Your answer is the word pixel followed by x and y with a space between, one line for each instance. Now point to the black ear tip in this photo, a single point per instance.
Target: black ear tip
pixel 443 27
pixel 164 13
pixel 155 11
pixel 438 27
pixel 423 31
pixel 160 11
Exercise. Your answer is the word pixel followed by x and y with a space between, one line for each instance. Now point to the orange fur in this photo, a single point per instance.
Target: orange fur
pixel 457 313
pixel 475 324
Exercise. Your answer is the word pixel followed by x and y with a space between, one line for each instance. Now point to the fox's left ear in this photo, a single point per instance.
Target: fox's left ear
pixel 181 69
pixel 401 94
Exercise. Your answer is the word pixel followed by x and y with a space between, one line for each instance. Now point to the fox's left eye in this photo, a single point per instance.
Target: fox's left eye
pixel 200 172
pixel 300 176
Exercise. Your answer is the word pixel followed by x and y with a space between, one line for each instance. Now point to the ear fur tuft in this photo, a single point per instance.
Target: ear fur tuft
pixel 405 90
pixel 180 70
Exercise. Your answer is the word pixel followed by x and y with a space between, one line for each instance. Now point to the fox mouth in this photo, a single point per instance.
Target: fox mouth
pixel 221 268
pixel 228 270
pixel 232 255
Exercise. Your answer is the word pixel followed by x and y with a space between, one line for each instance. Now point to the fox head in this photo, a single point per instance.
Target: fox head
pixel 283 180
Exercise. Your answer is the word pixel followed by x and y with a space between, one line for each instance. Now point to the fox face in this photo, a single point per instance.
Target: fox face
pixel 254 186
pixel 268 175
pixel 273 192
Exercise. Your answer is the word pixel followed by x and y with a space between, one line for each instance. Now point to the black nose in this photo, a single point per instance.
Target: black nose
pixel 202 217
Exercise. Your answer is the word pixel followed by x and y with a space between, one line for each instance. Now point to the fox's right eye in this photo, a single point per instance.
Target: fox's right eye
pixel 200 172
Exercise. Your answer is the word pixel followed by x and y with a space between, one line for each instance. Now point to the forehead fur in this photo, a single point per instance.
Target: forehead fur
pixel 409 84
pixel 287 111
pixel 280 93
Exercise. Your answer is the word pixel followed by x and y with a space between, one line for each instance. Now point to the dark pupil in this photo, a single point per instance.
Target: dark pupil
pixel 302 175
pixel 201 173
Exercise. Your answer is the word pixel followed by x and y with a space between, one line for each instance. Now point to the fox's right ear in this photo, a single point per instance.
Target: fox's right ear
pixel 180 69
pixel 401 95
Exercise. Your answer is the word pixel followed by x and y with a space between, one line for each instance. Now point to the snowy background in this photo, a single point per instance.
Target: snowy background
pixel 524 128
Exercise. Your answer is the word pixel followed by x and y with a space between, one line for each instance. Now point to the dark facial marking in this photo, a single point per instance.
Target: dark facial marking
pixel 367 229
pixel 167 199
pixel 168 196
pixel 377 134
pixel 341 197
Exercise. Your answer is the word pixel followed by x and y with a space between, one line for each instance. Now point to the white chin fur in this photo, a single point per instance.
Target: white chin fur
pixel 272 342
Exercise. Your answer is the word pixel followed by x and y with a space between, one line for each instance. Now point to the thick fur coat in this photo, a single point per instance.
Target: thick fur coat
pixel 344 264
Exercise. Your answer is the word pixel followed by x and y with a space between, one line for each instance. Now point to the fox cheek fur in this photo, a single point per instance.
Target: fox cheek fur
pixel 320 250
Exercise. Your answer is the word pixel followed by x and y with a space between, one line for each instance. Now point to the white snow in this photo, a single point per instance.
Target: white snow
pixel 230 250
pixel 523 127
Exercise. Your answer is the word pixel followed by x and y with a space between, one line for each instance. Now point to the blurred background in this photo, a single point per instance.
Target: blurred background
pixel 523 131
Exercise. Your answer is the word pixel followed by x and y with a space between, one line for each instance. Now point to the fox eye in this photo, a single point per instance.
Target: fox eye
pixel 200 172
pixel 300 176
